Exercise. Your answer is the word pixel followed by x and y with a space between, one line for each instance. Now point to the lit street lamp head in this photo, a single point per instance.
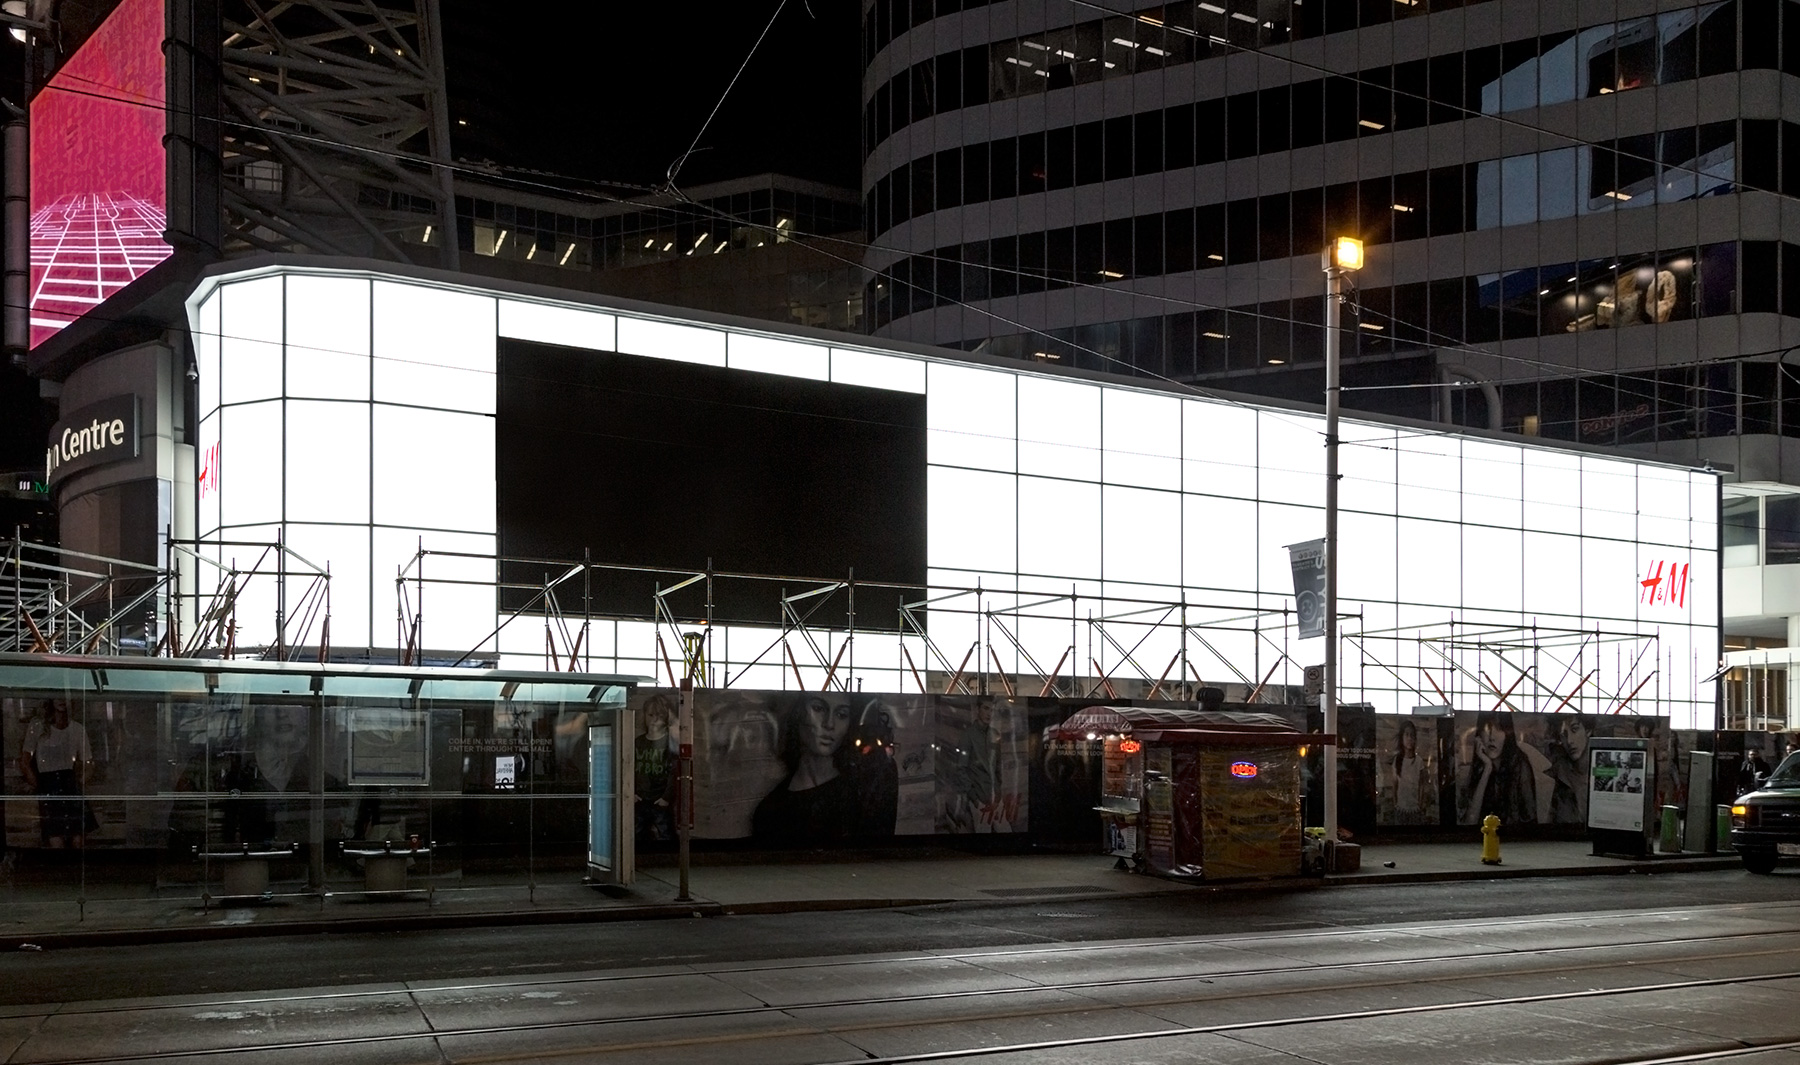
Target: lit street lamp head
pixel 1347 253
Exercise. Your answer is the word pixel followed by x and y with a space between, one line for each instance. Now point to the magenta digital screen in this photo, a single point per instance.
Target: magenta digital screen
pixel 98 185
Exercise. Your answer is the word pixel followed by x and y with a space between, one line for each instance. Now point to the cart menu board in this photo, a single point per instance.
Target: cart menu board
pixel 1159 809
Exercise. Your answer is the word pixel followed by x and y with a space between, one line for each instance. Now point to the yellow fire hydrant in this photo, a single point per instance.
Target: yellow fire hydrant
pixel 1490 840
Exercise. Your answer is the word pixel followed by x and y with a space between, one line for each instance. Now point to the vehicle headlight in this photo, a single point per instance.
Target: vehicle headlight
pixel 1740 813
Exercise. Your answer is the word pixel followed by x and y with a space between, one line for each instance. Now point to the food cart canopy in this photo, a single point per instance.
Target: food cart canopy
pixel 1171 723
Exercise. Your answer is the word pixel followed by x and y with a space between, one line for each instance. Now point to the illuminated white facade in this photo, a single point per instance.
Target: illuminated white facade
pixel 353 412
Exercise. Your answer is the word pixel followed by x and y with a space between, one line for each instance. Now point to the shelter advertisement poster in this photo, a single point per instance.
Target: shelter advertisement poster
pixel 1616 790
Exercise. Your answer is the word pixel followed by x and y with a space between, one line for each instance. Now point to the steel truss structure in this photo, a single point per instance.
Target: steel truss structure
pixel 335 129
pixel 1493 667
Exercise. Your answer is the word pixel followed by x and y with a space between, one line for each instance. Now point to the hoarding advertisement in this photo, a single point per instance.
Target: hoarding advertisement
pixel 1616 790
pixel 98 184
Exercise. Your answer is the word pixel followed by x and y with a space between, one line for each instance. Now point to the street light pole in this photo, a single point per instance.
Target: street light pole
pixel 1343 256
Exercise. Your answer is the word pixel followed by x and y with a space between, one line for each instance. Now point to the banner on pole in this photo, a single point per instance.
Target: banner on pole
pixel 1308 562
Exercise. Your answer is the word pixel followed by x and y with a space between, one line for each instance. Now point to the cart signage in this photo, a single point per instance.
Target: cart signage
pixel 1243 770
pixel 1130 746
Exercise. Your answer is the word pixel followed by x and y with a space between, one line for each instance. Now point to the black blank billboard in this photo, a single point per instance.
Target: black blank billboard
pixel 648 462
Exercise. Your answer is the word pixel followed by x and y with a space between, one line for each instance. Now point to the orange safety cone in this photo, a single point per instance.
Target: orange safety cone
pixel 1490 840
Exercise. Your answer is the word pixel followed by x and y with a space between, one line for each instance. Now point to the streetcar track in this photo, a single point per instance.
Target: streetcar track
pixel 949 1055
pixel 1260 940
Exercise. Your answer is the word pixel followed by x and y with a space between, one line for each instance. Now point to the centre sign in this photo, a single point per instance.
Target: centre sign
pixel 95 435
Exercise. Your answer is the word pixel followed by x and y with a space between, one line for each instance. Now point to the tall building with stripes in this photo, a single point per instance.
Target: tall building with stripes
pixel 1579 217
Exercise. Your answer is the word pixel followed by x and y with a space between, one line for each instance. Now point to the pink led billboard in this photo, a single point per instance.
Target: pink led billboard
pixel 98 185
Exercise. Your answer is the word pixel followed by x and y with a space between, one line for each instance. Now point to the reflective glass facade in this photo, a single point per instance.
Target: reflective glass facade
pixel 1147 192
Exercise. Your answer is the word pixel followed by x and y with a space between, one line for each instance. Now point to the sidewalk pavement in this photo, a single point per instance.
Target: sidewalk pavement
pixel 53 916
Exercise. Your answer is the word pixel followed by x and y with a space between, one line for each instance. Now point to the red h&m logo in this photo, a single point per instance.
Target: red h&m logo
pixel 209 471
pixel 1664 584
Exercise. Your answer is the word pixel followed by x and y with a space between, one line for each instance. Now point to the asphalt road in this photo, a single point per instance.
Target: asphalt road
pixel 219 967
pixel 1580 971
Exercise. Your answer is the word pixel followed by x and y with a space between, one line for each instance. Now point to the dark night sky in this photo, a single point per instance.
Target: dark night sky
pixel 616 94
pixel 620 93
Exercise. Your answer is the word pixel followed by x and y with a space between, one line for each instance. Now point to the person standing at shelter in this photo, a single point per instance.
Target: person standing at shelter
pixel 55 763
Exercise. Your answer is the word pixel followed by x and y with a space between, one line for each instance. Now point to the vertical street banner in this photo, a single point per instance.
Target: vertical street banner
pixel 1308 562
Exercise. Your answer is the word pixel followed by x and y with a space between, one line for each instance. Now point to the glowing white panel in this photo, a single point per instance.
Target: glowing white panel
pixel 666 340
pixel 970 418
pixel 1552 574
pixel 1704 506
pixel 547 323
pixel 344 550
pixel 970 519
pixel 870 370
pixel 1059 428
pixel 1218 535
pixel 1662 505
pixel 1218 448
pixel 1062 527
pixel 456 619
pixel 1142 439
pixel 1608 498
pixel 637 639
pixel 1291 453
pixel 327 337
pixel 206 355
pixel 789 358
pixel 1551 489
pixel 1429 473
pixel 1141 535
pixel 206 470
pixel 1609 587
pixel 1492 480
pixel 327 461
pixel 255 603
pixel 250 328
pixel 1491 568
pixel 441 471
pixel 1366 468
pixel 1277 526
pixel 1431 562
pixel 952 623
pixel 433 347
pixel 1366 556
pixel 250 464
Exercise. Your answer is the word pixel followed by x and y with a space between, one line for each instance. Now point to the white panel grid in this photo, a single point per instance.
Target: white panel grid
pixel 434 347
pixel 850 366
pixel 330 482
pixel 1608 498
pixel 755 353
pixel 970 519
pixel 1429 477
pixel 441 474
pixel 1366 468
pixel 1059 429
pixel 250 463
pixel 206 354
pixel 970 418
pixel 667 340
pixel 1218 449
pixel 1492 483
pixel 1551 487
pixel 250 333
pixel 1142 435
pixel 1217 535
pixel 569 327
pixel 1290 454
pixel 344 550
pixel 1430 569
pixel 328 337
pixel 1061 525
pixel 1141 536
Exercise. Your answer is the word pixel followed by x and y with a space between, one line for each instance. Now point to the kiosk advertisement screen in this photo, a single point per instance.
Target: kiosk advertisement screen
pixel 1616 781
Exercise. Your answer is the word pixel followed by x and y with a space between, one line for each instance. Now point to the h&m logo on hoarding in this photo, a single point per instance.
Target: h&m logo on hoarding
pixel 1664 584
pixel 209 470
pixel 96 434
